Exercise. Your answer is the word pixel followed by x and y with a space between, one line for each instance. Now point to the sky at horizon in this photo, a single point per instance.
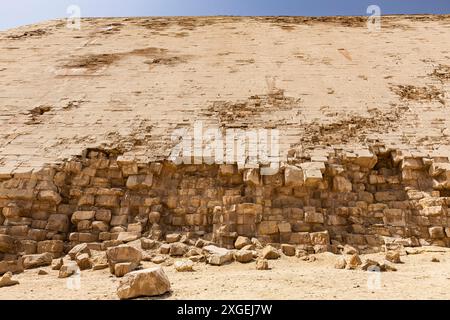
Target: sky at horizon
pixel 16 13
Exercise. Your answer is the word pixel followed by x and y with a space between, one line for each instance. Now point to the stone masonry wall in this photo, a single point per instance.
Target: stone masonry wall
pixel 105 199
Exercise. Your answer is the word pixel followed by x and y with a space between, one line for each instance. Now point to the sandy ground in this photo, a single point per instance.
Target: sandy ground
pixel 289 278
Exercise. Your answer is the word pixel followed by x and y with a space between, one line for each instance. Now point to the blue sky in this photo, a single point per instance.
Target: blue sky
pixel 14 13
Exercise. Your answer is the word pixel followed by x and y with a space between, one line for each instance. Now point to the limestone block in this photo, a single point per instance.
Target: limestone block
pixel 341 184
pixel 293 176
pixel 137 182
pixel 82 215
pixel 268 228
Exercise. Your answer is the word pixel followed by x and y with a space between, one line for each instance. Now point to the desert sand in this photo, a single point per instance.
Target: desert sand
pixel 289 278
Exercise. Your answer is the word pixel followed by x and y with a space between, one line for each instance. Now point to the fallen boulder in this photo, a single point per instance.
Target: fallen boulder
pixel 178 249
pixel 393 256
pixel 13 266
pixel 353 261
pixel 243 256
pixel 79 249
pixel 184 265
pixel 270 252
pixel 262 264
pixel 123 254
pixel 288 250
pixel 68 269
pixel 7 281
pixel 83 261
pixel 217 256
pixel 242 242
pixel 37 260
pixel 147 283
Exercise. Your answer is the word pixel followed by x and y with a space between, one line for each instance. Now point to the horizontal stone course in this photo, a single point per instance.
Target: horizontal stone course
pixel 349 202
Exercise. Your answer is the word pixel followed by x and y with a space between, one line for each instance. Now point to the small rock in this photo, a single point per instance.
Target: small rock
pixel 243 256
pixel 67 269
pixel 147 244
pixel 164 248
pixel 434 259
pixel 178 249
pixel 122 268
pixel 169 262
pixel 370 264
pixel 249 247
pixel 159 259
pixel 147 256
pixel 174 237
pixel 99 261
pixel 83 261
pixel 301 253
pixel 197 258
pixel 393 256
pixel 242 242
pixel 194 252
pixel 270 252
pixel 257 243
pixel 79 249
pixel 385 266
pixel 57 264
pixel 288 250
pixel 340 263
pixel 42 272
pixel 184 265
pixel 262 264
pixel 348 249
pixel 7 281
pixel 147 282
pixel 200 243
pixel 353 261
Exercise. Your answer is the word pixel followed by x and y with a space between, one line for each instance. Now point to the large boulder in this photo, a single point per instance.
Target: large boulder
pixel 178 249
pixel 123 254
pixel 288 250
pixel 242 242
pixel 270 252
pixel 79 249
pixel 83 261
pixel 37 260
pixel 353 261
pixel 13 266
pixel 217 256
pixel 68 269
pixel 243 256
pixel 147 283
pixel 7 281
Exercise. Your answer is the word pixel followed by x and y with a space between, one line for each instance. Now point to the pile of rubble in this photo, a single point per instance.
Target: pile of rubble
pixel 125 259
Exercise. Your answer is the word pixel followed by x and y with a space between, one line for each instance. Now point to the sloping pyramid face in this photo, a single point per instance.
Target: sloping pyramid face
pixel 311 131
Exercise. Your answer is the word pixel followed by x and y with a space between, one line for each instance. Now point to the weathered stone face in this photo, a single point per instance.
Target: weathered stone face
pixel 351 204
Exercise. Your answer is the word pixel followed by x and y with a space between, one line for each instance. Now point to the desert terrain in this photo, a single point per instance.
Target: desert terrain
pixel 289 278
